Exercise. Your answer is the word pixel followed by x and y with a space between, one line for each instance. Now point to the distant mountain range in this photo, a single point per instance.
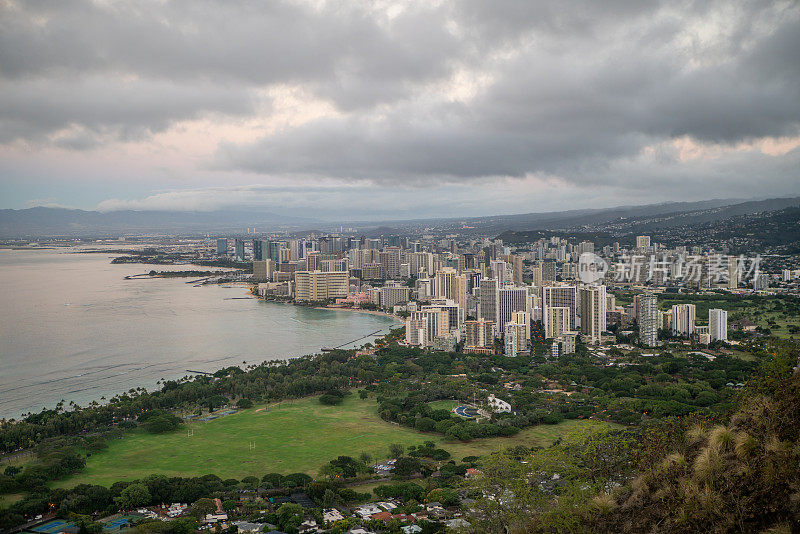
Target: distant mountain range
pixel 41 221
pixel 633 218
pixel 627 219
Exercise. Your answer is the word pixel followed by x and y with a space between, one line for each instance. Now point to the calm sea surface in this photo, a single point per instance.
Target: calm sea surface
pixel 71 327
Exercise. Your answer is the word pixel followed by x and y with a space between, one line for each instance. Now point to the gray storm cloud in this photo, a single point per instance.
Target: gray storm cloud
pixel 423 94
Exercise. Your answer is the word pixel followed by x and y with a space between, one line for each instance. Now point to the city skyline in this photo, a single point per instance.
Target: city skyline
pixel 423 110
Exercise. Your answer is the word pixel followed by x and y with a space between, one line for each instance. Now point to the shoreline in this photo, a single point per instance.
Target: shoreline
pixel 377 313
pixel 359 310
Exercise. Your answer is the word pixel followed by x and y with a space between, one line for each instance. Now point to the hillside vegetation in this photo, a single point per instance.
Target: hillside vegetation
pixel 737 474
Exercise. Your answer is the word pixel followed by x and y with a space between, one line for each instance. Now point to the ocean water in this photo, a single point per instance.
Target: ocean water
pixel 72 328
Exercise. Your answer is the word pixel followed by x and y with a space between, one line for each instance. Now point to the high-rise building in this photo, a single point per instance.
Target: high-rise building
pixel 560 297
pixel 222 246
pixel 454 311
pixel 514 339
pixel 295 249
pixel 373 271
pixel 419 261
pixel 683 319
pixel 275 251
pixel 390 259
pixel 718 325
pixel 510 300
pixel 489 304
pixel 479 334
pixel 556 321
pixel 449 284
pixel 438 322
pixel 642 242
pixel 510 348
pixel 647 314
pixel 239 249
pixel 417 331
pixel 393 295
pixel 258 250
pixel 515 262
pixel 424 288
pixel 314 261
pixel 593 312
pixel 554 348
pixel 320 285
pixel 500 271
pixel 536 271
pixel 334 264
pixel 523 318
pixel 548 271
pixel 262 270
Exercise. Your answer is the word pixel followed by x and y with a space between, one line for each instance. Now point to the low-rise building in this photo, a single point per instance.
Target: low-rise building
pixel 498 405
pixel 331 515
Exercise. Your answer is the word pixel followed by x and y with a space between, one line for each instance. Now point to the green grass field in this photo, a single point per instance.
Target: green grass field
pixel 295 436
pixel 444 404
pixel 8 499
pixel 781 325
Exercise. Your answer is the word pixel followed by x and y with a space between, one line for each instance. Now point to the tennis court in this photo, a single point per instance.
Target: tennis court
pixel 51 527
pixel 116 524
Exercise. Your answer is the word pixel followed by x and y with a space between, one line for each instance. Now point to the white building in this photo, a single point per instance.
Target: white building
pixel 515 340
pixel 648 319
pixel 683 319
pixel 417 332
pixel 321 285
pixel 511 301
pixel 331 515
pixel 554 349
pixel 438 323
pixel 393 294
pixel 593 313
pixel 718 325
pixel 498 405
pixel 556 321
pixel 559 297
pixel 523 318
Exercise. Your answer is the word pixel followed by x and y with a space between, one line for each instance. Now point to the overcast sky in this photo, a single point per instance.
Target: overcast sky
pixel 396 109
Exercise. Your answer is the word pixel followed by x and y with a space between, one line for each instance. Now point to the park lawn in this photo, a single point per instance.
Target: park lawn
pixel 293 436
pixel 446 404
pixel 781 320
pixel 8 499
pixel 370 488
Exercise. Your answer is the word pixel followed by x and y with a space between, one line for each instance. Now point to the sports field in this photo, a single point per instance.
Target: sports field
pixel 295 436
pixel 443 404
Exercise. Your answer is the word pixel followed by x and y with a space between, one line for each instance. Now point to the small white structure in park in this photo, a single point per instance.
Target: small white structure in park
pixel 498 405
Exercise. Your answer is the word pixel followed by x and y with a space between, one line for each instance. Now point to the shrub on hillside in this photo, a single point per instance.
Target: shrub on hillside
pixel 332 398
